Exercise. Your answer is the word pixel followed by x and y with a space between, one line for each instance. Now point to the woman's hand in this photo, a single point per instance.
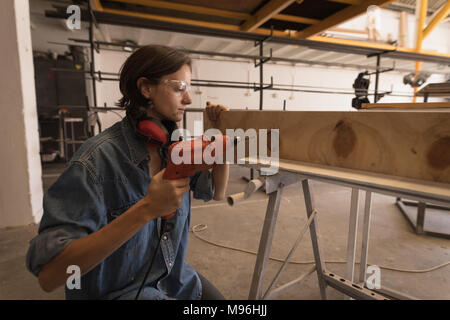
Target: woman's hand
pixel 220 173
pixel 164 196
pixel 213 110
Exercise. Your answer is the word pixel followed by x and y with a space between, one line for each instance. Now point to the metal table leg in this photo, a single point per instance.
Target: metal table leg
pixel 265 244
pixel 365 239
pixel 270 291
pixel 420 217
pixel 417 224
pixel 314 232
pixel 352 234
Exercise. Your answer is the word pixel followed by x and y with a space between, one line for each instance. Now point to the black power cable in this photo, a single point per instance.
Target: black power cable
pixel 166 226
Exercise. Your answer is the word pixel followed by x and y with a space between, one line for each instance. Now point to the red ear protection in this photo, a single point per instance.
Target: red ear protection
pixel 154 132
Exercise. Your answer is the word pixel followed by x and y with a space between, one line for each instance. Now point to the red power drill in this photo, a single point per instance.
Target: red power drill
pixel 185 157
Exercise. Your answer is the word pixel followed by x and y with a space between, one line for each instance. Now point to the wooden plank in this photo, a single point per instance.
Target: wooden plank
pixel 417 105
pixel 399 143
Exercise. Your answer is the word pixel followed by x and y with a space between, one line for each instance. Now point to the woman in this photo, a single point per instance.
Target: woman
pixel 103 214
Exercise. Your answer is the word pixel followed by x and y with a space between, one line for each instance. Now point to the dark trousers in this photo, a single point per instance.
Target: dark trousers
pixel 209 291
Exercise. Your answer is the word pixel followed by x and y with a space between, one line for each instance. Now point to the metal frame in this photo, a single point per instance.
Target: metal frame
pixel 255 57
pixel 348 285
pixel 418 224
pixel 377 73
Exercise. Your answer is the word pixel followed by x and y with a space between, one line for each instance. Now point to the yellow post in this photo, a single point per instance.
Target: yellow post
pixel 419 38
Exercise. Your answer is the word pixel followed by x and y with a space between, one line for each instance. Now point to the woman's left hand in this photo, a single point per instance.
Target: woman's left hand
pixel 213 110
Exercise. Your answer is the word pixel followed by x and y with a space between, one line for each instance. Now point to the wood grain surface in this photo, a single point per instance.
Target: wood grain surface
pixel 405 144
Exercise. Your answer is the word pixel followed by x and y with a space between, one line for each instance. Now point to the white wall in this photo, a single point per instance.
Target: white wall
pixel 20 171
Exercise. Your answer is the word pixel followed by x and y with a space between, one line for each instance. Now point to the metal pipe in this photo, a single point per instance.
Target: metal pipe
pixel 92 63
pixel 377 76
pixel 252 186
pixel 261 80
pixel 245 85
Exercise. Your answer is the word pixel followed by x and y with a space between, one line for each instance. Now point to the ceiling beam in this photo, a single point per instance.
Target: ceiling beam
pixel 440 15
pixel 272 8
pixel 188 8
pixel 339 17
pixel 209 11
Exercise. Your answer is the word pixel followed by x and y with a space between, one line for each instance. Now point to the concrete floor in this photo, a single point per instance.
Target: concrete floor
pixel 392 244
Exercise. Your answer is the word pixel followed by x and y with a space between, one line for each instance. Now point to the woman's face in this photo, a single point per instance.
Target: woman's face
pixel 171 95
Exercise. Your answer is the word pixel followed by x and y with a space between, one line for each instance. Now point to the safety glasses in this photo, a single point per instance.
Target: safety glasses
pixel 178 86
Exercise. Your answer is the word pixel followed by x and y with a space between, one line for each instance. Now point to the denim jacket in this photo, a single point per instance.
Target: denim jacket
pixel 106 176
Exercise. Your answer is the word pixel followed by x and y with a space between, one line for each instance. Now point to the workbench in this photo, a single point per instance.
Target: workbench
pixel 292 172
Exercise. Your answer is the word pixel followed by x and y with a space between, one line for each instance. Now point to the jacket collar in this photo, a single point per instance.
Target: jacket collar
pixel 136 146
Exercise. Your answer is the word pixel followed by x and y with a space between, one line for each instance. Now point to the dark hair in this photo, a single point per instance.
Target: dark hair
pixel 152 62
